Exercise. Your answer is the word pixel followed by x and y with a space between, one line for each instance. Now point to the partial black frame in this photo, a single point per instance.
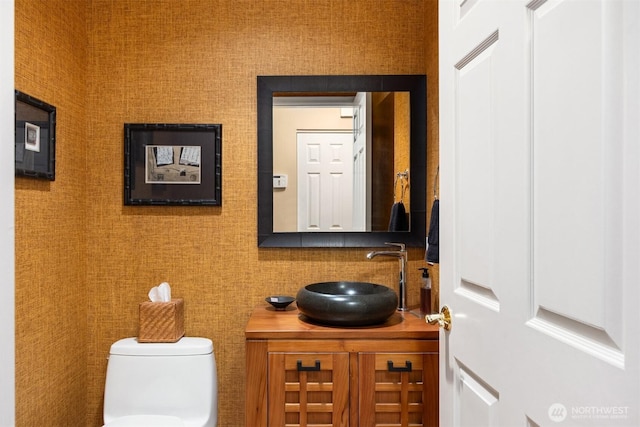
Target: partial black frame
pixel 137 136
pixel 35 156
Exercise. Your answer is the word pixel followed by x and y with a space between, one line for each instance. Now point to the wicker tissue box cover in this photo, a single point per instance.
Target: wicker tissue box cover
pixel 161 321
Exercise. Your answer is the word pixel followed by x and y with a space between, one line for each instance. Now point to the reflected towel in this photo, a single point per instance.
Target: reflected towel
pixel 433 250
pixel 398 220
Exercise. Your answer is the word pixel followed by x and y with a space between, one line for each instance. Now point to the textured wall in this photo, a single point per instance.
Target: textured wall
pixel 433 136
pixel 51 299
pixel 173 61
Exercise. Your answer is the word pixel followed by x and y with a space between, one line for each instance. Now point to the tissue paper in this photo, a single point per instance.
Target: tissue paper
pixel 160 293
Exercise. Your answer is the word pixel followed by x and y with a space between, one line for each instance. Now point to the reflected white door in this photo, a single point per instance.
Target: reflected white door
pixel 540 212
pixel 325 181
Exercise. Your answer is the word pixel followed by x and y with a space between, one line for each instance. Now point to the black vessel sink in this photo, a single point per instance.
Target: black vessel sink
pixel 347 303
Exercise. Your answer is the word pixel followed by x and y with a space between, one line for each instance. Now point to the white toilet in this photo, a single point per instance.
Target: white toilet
pixel 161 384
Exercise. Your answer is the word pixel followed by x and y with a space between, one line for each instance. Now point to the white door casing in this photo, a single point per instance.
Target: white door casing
pixel 362 162
pixel 540 212
pixel 7 215
pixel 325 181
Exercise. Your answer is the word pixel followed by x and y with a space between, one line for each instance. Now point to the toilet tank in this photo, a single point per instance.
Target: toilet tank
pixel 177 379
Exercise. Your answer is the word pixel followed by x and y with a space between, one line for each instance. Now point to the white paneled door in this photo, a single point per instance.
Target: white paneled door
pixel 540 212
pixel 325 181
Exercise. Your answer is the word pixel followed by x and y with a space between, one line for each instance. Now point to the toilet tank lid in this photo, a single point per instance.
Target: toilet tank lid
pixel 146 420
pixel 186 346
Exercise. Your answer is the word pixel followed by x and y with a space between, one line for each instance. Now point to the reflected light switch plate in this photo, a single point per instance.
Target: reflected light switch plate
pixel 279 181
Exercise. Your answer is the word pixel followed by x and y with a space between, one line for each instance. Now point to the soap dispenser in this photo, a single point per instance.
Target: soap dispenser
pixel 425 292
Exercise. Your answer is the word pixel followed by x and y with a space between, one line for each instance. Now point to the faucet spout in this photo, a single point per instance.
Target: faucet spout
pixel 374 254
pixel 401 254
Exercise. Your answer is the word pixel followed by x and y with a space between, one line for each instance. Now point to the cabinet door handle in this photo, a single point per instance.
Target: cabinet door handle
pixel 316 367
pixel 406 368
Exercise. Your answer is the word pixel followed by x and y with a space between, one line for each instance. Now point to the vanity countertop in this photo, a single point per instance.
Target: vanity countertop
pixel 267 323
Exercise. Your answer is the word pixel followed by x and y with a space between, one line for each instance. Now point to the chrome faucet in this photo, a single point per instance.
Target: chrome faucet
pixel 402 257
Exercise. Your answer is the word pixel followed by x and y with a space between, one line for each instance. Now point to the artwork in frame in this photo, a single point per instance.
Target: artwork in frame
pixel 172 164
pixel 35 137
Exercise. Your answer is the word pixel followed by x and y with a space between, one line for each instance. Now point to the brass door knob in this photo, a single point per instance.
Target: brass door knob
pixel 443 319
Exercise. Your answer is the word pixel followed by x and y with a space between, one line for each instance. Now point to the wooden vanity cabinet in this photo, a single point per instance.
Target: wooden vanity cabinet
pixel 303 374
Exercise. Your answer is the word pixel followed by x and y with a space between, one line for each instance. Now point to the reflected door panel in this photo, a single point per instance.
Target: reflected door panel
pixel 325 177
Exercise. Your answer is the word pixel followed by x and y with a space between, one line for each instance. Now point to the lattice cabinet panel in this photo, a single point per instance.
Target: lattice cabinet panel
pixel 396 389
pixel 301 374
pixel 308 389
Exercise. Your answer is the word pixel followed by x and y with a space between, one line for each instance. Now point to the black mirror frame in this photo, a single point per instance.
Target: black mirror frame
pixel 416 85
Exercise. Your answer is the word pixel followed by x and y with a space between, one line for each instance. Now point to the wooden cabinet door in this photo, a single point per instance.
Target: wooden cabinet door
pixel 308 389
pixel 398 389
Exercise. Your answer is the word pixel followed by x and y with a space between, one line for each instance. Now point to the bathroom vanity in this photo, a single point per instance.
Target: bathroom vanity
pixel 302 373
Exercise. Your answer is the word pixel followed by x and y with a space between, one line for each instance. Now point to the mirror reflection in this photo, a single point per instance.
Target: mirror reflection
pixel 341 161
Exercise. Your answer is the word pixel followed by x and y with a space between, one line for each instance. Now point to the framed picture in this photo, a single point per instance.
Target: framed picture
pixel 172 164
pixel 35 137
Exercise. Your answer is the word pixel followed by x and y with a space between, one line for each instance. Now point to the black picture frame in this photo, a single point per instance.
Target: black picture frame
pixel 172 164
pixel 35 137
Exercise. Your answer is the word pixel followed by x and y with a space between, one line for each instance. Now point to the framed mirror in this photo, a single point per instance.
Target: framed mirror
pixel 388 113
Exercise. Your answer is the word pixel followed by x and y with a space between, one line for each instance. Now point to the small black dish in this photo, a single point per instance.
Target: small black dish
pixel 279 302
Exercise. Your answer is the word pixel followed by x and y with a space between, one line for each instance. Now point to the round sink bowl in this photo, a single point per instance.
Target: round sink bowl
pixel 347 303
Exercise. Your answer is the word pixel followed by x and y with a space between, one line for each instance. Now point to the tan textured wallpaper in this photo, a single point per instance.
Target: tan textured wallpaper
pixel 433 135
pixel 51 298
pixel 107 62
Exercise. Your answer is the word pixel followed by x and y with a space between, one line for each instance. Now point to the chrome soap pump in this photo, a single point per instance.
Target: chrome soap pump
pixel 425 292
